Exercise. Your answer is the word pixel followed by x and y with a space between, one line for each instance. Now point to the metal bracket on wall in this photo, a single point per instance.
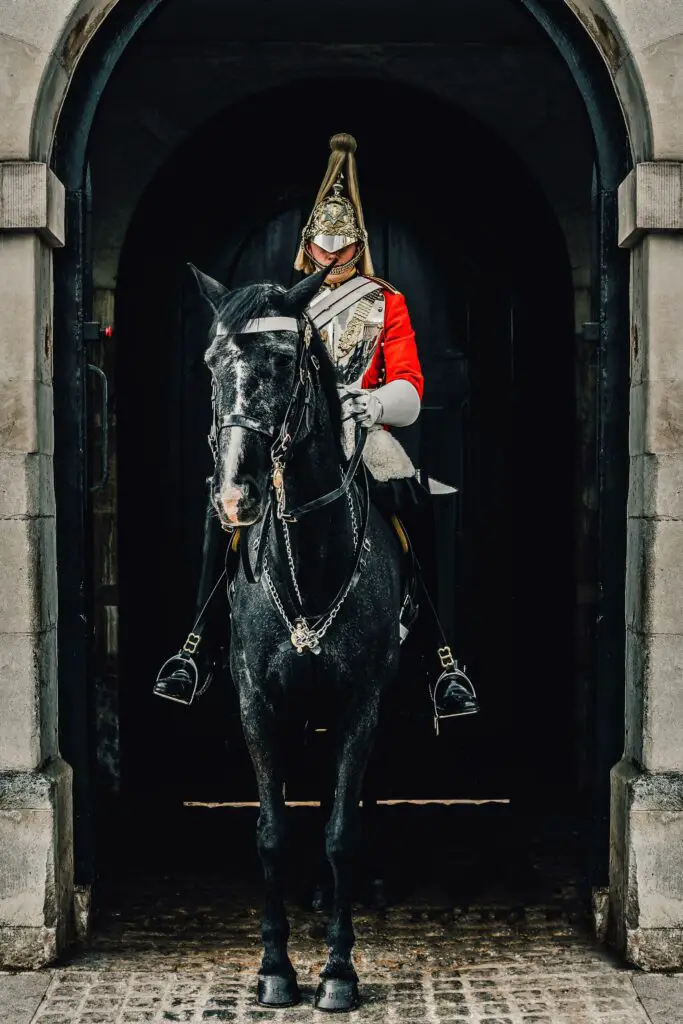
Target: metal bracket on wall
pixel 92 332
pixel 104 474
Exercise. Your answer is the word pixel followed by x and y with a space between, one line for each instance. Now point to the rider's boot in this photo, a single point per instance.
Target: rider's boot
pixel 452 693
pixel 188 674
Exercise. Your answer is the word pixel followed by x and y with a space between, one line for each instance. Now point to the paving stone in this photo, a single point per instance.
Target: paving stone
pixel 190 954
pixel 494 996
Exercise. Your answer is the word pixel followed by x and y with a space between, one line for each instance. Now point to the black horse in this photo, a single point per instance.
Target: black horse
pixel 315 606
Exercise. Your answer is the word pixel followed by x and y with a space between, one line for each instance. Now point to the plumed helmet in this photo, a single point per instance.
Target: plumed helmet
pixel 333 224
pixel 337 219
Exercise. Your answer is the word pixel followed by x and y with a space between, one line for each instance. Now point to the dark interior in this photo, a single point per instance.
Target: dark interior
pixel 484 268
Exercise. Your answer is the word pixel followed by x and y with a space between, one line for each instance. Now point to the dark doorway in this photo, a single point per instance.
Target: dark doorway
pixel 482 262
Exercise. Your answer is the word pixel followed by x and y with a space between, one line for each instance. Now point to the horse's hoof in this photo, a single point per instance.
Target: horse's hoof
pixel 277 990
pixel 337 995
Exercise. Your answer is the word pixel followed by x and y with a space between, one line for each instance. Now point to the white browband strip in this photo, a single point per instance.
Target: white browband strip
pixel 270 323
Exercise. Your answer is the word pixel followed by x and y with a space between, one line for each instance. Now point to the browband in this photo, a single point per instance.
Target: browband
pixel 267 323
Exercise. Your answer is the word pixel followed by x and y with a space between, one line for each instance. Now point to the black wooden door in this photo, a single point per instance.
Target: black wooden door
pixel 465 330
pixel 494 327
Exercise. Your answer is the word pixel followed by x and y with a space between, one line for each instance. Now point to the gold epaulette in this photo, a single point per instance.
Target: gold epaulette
pixel 384 284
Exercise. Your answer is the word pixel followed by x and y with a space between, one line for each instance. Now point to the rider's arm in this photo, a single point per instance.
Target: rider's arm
pixel 400 403
pixel 397 363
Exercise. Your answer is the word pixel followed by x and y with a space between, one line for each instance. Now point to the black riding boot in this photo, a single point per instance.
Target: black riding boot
pixel 450 690
pixel 188 674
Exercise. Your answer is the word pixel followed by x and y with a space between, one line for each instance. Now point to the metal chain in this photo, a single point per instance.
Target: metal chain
pixel 275 596
pixel 354 521
pixel 288 543
pixel 290 562
pixel 318 631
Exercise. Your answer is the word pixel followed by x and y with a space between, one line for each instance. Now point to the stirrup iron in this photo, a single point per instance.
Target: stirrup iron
pixel 451 669
pixel 183 659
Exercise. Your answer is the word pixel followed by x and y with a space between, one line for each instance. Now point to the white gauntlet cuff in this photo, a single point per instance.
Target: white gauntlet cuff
pixel 400 403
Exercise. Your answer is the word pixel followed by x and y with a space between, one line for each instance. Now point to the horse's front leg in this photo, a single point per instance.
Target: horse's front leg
pixel 338 988
pixel 277 984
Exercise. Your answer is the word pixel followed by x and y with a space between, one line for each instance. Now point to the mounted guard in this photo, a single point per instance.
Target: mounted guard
pixel 365 326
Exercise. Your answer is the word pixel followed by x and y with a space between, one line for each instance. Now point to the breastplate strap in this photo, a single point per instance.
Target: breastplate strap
pixel 339 300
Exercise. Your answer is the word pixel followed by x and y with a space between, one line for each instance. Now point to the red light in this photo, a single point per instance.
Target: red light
pixel 109 331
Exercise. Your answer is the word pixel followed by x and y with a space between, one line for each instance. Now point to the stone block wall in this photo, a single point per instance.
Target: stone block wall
pixel 647 785
pixel 36 865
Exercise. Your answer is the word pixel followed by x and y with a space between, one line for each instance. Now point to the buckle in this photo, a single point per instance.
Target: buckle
pixel 192 643
pixel 446 657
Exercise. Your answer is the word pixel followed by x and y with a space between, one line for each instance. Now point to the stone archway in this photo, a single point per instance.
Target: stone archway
pixel 46 48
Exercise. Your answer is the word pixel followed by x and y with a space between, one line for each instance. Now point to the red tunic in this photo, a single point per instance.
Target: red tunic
pixel 396 349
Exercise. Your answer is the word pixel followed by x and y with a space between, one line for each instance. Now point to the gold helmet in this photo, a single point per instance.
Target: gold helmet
pixel 337 220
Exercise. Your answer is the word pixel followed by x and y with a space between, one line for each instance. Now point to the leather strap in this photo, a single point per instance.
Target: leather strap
pixel 327 499
pixel 199 621
pixel 352 578
pixel 236 419
pixel 270 323
pixel 328 296
pixel 254 575
pixel 339 301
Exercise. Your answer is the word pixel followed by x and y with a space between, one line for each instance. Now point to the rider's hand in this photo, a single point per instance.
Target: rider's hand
pixel 366 409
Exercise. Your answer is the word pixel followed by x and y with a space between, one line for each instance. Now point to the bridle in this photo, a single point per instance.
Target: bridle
pixel 296 425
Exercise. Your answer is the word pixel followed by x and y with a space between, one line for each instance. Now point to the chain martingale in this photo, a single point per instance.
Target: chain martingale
pixel 305 635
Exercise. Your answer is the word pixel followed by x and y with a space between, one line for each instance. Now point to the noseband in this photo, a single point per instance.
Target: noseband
pixel 297 421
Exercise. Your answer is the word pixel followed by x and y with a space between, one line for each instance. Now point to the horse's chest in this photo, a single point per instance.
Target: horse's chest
pixel 352 336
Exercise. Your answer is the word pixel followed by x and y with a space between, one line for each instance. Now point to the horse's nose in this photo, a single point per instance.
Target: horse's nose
pixel 230 500
pixel 239 502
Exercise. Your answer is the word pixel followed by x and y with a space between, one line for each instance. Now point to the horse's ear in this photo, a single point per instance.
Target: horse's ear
pixel 297 298
pixel 213 291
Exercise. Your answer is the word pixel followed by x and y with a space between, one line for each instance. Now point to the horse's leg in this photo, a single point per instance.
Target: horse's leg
pixel 338 989
pixel 371 819
pixel 277 985
pixel 326 775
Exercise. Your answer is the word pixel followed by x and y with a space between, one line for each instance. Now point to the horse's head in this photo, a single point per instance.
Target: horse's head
pixel 252 356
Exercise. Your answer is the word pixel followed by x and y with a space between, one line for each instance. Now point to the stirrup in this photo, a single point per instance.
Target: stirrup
pixel 451 670
pixel 185 693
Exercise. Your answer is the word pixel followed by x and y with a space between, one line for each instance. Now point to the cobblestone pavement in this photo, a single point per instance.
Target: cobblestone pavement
pixel 565 993
pixel 192 953
pixel 515 948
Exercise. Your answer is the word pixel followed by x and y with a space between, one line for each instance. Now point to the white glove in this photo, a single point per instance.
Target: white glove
pixel 365 408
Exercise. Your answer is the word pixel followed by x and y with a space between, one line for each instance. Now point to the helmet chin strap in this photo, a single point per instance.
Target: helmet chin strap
pixel 337 268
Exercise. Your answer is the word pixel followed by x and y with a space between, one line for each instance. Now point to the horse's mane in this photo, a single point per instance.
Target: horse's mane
pixel 328 382
pixel 254 301
pixel 247 304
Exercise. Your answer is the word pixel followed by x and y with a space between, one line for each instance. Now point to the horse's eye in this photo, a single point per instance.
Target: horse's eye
pixel 281 360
